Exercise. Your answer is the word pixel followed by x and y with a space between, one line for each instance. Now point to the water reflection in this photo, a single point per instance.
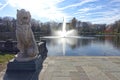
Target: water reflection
pixel 82 46
pixel 61 44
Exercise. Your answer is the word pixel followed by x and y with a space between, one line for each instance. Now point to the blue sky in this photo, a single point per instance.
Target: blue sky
pixel 95 11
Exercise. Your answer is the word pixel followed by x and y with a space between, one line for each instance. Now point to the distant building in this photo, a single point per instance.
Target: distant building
pixel 109 29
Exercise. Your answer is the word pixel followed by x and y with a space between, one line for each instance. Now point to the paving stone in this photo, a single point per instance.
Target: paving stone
pixel 78 76
pixel 48 73
pixel 95 74
pixel 114 59
pixel 79 68
pixel 111 76
pixel 117 75
pixel 61 78
pixel 61 73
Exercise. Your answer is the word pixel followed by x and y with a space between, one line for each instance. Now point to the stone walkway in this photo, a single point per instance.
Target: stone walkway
pixel 81 68
pixel 75 68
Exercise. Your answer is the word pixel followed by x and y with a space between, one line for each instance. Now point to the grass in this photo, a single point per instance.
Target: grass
pixel 6 57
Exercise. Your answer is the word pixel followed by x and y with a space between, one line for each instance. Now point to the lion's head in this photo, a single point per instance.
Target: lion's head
pixel 23 17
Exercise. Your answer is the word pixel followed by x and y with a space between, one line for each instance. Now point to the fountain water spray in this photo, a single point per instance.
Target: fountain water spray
pixel 63 33
pixel 64 28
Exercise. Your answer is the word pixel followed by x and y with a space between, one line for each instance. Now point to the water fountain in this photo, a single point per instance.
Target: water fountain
pixel 62 36
pixel 65 37
pixel 65 34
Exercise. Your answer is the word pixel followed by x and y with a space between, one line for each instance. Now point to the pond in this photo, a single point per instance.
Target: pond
pixel 84 46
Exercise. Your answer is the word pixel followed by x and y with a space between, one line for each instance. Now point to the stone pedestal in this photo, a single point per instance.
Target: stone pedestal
pixel 32 65
pixel 42 49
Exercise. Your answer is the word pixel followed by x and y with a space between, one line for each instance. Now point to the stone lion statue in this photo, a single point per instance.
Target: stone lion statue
pixel 25 38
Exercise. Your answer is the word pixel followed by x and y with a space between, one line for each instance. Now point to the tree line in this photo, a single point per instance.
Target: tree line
pixel 8 24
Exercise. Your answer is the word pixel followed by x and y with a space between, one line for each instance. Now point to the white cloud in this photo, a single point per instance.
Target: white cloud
pixel 3 5
pixel 78 4
pixel 107 13
pixel 85 10
pixel 99 14
pixel 0 3
pixel 113 1
pixel 105 18
pixel 40 8
pixel 49 10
